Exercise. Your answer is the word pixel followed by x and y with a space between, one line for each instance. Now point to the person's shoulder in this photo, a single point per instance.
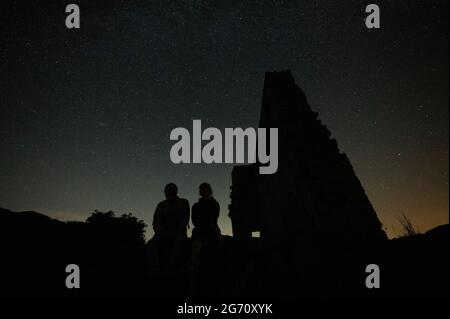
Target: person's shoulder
pixel 184 201
pixel 159 207
pixel 162 203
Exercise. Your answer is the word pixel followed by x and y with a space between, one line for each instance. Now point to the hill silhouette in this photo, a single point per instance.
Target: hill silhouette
pixel 111 253
pixel 36 249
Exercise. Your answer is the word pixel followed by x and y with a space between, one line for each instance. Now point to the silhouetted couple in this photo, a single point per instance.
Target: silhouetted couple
pixel 171 220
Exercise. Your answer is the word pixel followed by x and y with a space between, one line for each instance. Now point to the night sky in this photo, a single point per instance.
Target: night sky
pixel 86 114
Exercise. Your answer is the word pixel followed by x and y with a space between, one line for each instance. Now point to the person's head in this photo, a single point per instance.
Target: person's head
pixel 205 190
pixel 171 190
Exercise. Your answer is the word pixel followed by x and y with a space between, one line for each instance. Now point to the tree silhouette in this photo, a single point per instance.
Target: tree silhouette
pixel 126 227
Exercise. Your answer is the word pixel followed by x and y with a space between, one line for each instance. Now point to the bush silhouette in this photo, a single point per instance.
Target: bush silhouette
pixel 125 228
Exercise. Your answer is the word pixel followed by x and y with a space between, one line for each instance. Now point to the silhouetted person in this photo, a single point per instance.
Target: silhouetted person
pixel 205 214
pixel 171 216
pixel 205 244
pixel 170 221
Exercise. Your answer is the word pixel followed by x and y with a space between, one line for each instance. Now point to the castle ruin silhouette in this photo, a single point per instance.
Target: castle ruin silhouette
pixel 315 190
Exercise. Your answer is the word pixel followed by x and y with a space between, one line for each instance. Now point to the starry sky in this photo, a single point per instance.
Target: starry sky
pixel 86 114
